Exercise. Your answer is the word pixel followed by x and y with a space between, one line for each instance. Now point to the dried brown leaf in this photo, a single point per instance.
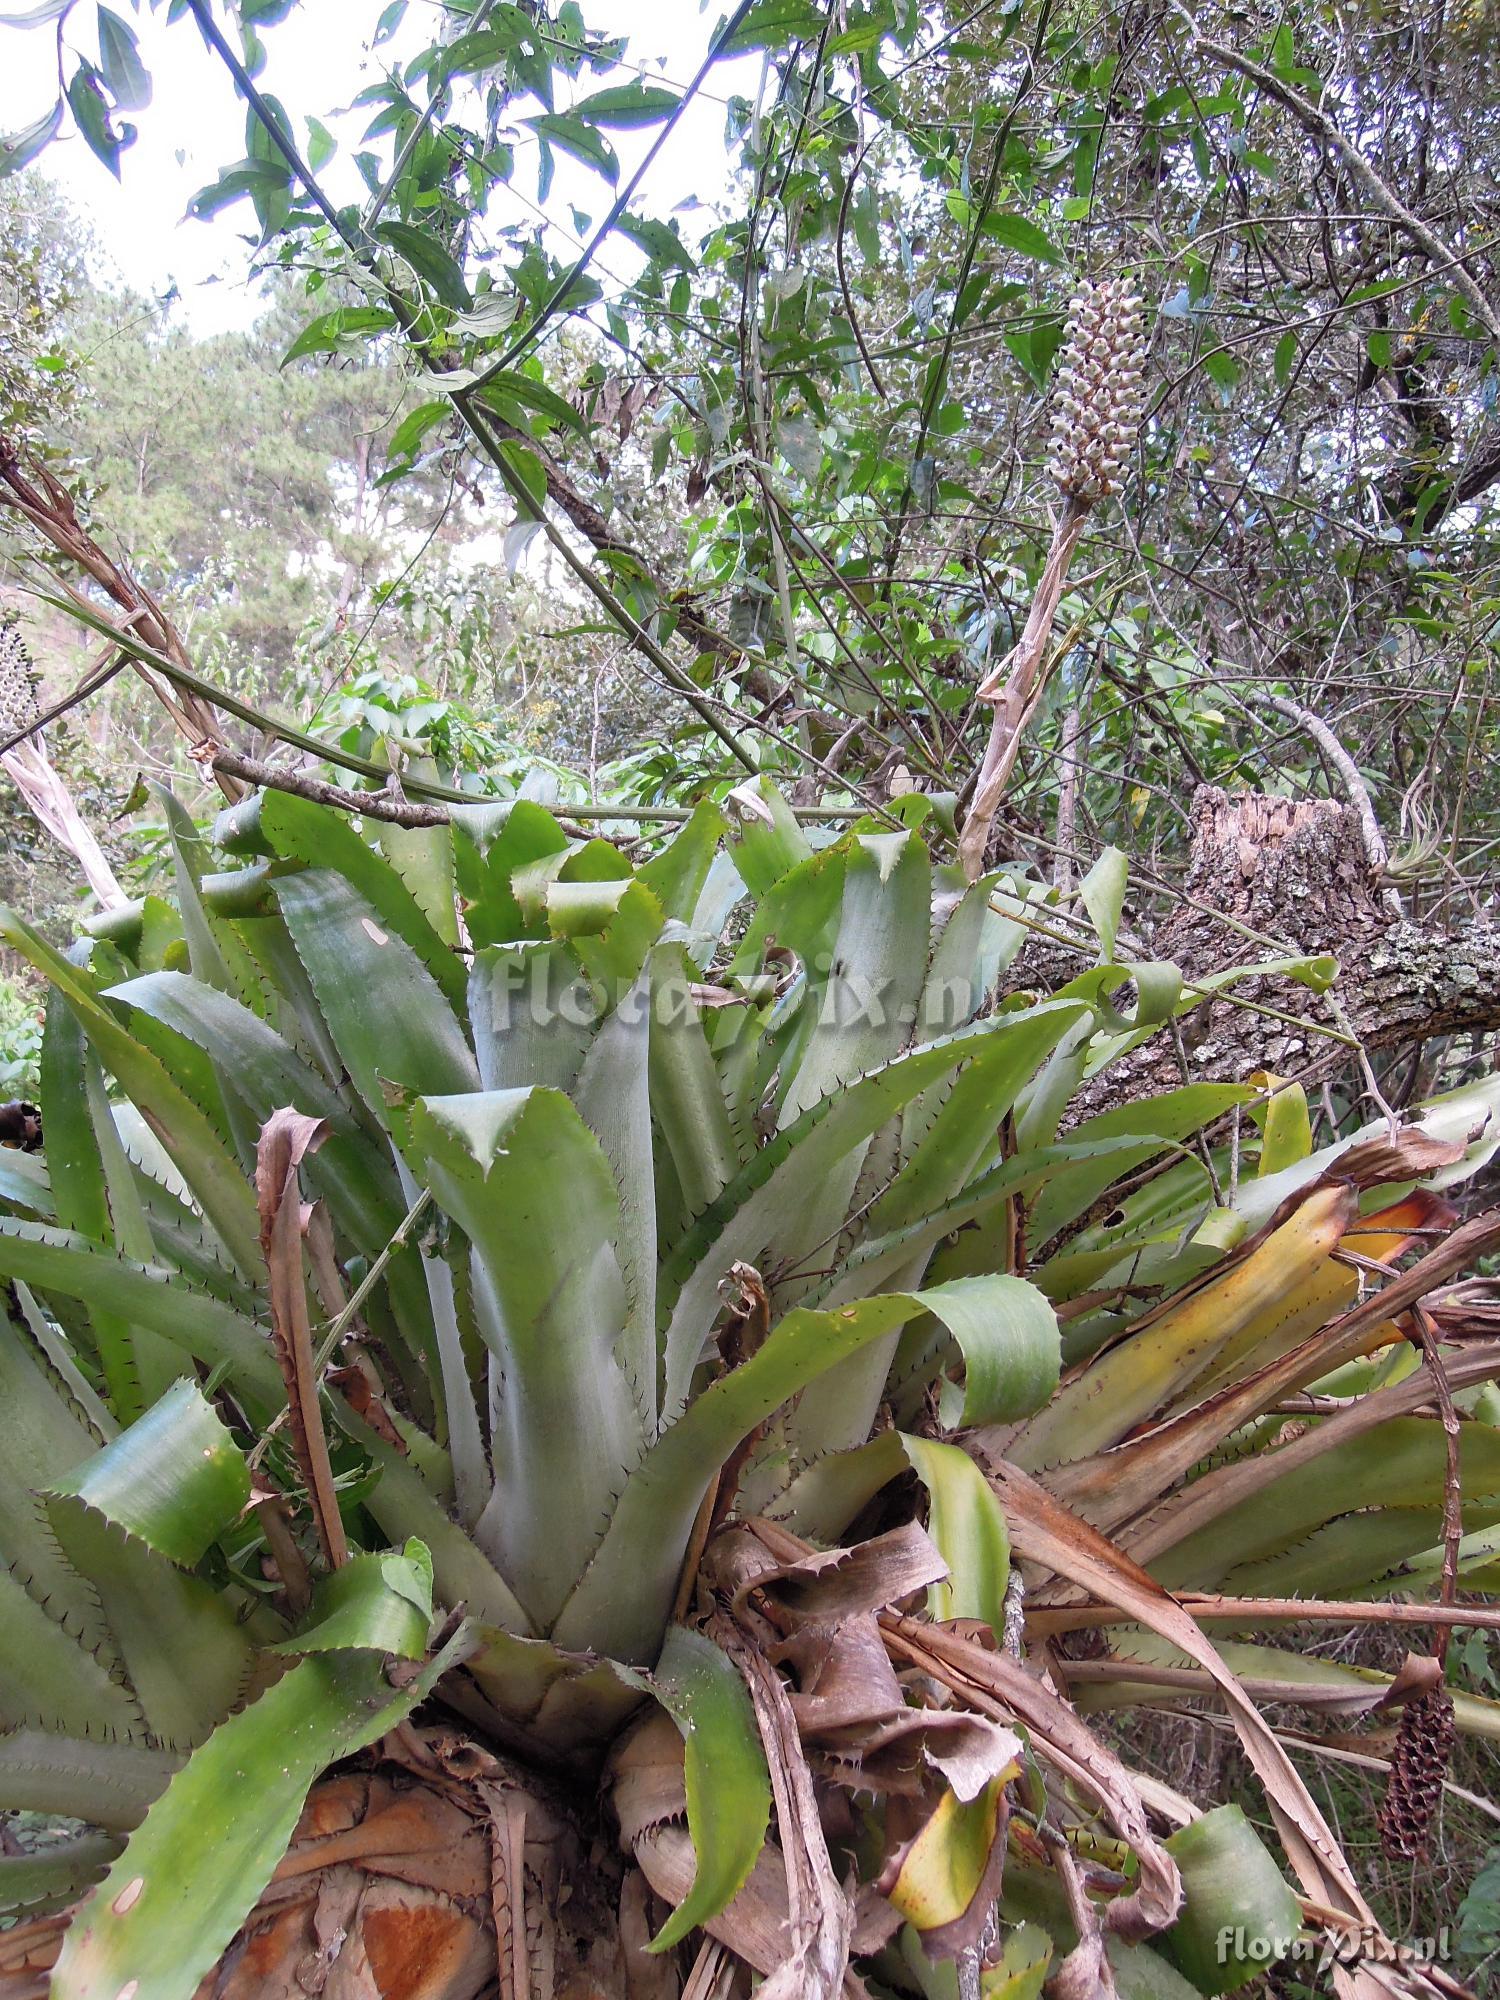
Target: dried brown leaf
pixel 286 1138
pixel 1045 1532
pixel 1001 1687
pixel 818 1610
pixel 820 1918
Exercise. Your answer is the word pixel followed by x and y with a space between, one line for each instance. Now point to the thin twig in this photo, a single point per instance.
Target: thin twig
pixel 96 678
pixel 1376 852
pixel 1321 126
pixel 414 137
pixel 475 419
pixel 1424 1334
pixel 1046 1621
pixel 383 805
pixel 180 673
pixel 838 256
pixel 528 338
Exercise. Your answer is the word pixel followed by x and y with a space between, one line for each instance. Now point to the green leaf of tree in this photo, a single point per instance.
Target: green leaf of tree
pixel 124 73
pixel 255 178
pixel 430 260
pixel 321 144
pixel 628 104
pixel 37 17
pixel 580 139
pixel 330 330
pixel 535 395
pixel 19 149
pixel 661 243
pixel 90 110
pixel 772 24
pixel 408 435
pixel 1017 232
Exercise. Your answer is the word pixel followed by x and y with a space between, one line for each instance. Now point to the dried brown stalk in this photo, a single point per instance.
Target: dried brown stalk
pixel 26 763
pixel 286 1138
pixel 1424 1739
pixel 39 497
pixel 1047 1621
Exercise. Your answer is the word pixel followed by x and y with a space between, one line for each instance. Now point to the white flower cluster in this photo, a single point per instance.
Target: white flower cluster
pixel 18 680
pixel 1101 391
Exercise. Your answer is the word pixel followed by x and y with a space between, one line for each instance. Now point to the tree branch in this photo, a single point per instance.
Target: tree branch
pixel 1321 127
pixel 479 427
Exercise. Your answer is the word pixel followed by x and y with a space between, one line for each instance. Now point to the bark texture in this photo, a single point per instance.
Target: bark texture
pixel 1300 872
pixel 431 1871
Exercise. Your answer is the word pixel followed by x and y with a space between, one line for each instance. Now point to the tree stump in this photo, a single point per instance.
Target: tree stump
pixel 1299 874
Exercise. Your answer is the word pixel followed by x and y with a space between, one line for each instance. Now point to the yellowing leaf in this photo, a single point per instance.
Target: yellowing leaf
pixel 946 1864
pixel 1285 1127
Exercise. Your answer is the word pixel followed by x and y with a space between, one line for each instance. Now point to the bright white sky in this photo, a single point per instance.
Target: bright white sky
pixel 317 61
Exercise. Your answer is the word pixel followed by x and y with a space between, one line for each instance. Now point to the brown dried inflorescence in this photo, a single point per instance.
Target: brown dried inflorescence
pixel 1101 391
pixel 1419 1764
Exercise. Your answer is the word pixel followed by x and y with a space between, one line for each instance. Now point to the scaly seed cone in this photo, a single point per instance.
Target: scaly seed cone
pixel 1419 1764
pixel 1101 390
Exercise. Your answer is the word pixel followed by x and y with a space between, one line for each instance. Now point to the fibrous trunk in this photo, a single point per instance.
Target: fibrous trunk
pixel 437 1872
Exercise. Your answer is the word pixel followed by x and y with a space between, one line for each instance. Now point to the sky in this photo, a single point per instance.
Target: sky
pixel 317 62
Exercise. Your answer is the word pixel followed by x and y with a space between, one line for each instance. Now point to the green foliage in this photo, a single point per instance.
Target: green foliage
pixel 590 1122
pixel 20 1039
pixel 728 1790
pixel 628 1105
pixel 1231 1885
pixel 878 360
pixel 207 1847
pixel 43 274
pixel 1479 1917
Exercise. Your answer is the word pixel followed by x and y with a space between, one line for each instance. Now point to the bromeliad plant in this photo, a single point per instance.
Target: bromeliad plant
pixel 492 1314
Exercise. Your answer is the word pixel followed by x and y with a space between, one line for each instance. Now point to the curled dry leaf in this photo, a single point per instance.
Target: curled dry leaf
pixel 817 1612
pixel 1405 1156
pixel 994 1684
pixel 754 1926
pixel 944 1770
